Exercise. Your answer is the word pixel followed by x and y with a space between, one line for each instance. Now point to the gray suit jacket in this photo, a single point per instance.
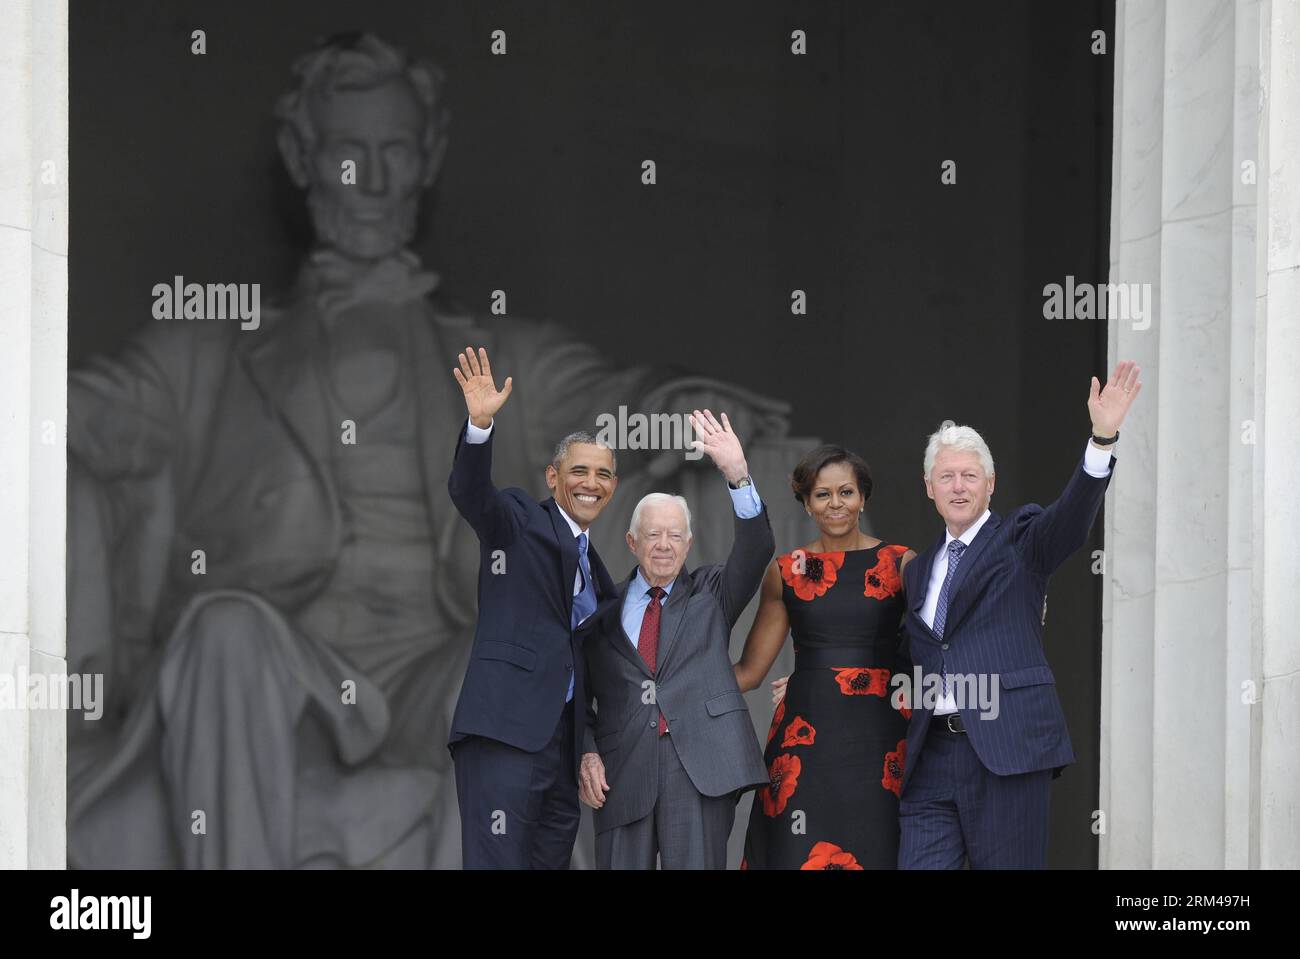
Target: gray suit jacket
pixel 695 685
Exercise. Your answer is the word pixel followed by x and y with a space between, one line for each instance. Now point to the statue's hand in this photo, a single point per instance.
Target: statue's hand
pixel 752 415
pixel 482 398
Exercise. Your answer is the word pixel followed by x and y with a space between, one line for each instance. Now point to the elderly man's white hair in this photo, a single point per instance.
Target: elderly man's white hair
pixel 651 498
pixel 951 436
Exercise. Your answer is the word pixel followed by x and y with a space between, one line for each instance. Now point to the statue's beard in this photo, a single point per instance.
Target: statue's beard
pixel 361 239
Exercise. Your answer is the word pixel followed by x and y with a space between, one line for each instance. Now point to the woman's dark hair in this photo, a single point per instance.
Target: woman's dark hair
pixel 805 474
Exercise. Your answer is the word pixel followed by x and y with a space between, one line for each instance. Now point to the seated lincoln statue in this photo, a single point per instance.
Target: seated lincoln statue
pixel 263 557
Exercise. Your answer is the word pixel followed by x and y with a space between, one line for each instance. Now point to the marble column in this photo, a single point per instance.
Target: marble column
pixel 1201 612
pixel 33 400
pixel 1278 395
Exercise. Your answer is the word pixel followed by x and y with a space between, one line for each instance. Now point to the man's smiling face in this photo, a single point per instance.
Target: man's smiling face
pixel 583 481
pixel 959 487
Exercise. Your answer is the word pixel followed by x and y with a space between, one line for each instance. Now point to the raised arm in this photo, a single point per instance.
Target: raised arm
pixel 494 516
pixel 766 636
pixel 753 544
pixel 1048 536
pixel 125 412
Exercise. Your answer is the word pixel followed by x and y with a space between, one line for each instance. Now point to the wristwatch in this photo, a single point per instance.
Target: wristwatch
pixel 741 483
pixel 1105 440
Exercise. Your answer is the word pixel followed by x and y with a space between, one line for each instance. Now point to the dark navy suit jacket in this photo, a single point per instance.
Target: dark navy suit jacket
pixel 524 649
pixel 995 626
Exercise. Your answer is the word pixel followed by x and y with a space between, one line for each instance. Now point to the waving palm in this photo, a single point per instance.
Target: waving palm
pixel 482 398
pixel 1108 405
pixel 721 443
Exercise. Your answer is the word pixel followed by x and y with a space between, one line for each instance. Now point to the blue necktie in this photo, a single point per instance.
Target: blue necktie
pixel 584 600
pixel 955 549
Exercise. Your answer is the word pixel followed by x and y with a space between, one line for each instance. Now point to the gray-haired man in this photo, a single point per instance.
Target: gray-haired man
pixel 671 746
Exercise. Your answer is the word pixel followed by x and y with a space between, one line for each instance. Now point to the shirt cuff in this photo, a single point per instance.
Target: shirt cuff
pixel 746 501
pixel 475 435
pixel 1096 462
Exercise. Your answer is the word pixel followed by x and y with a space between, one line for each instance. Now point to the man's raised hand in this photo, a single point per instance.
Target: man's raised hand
pixel 482 398
pixel 1109 405
pixel 721 443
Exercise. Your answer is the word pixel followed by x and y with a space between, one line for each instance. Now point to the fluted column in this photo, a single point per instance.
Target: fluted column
pixel 1278 398
pixel 1197 651
pixel 33 400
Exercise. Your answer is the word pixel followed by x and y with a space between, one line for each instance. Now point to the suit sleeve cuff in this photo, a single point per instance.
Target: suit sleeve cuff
pixel 475 435
pixel 745 501
pixel 1096 462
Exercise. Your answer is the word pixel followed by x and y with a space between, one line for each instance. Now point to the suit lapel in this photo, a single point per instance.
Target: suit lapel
pixel 919 570
pixel 605 588
pixel 918 574
pixel 613 629
pixel 568 553
pixel 957 606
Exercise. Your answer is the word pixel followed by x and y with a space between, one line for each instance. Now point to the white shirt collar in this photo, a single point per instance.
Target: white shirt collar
pixel 577 530
pixel 967 537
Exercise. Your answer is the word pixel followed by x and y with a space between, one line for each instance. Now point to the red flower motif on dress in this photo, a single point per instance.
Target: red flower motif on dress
pixel 883 579
pixel 810 574
pixel 783 777
pixel 907 713
pixel 800 732
pixel 827 855
pixel 776 719
pixel 893 777
pixel 863 681
pixel 744 863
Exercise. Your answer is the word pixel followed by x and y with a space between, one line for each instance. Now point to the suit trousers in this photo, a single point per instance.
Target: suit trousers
pixel 954 809
pixel 686 829
pixel 518 810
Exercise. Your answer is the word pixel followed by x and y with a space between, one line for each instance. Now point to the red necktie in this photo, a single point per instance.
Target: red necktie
pixel 648 642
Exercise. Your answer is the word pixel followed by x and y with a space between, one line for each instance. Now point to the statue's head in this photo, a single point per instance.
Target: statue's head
pixel 360 100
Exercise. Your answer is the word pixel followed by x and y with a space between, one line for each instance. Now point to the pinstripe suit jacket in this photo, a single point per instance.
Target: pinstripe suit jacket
pixel 994 629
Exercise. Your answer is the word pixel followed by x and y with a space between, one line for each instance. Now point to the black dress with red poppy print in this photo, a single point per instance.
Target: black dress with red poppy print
pixel 836 746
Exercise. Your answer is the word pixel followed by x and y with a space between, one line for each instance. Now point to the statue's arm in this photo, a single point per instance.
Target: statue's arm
pixel 124 410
